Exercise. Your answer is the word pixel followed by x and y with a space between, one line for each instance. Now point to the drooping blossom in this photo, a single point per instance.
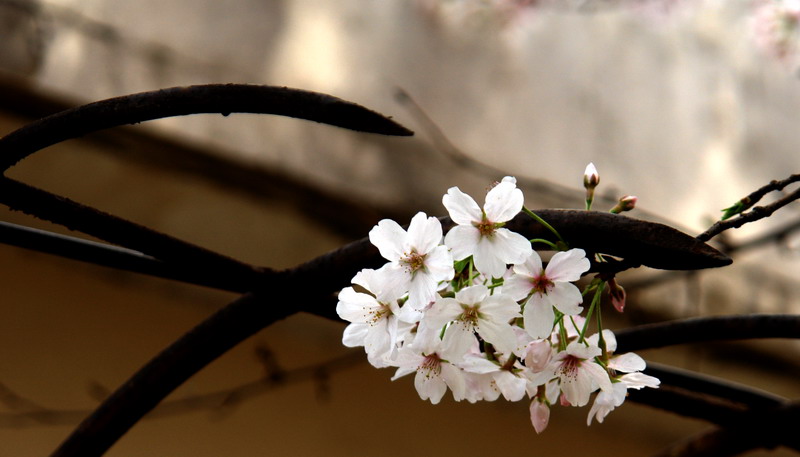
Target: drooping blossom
pixel 479 232
pixel 547 288
pixel 577 373
pixel 417 260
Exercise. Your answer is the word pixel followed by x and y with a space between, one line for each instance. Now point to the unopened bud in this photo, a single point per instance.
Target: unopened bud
pixel 590 177
pixel 590 180
pixel 540 415
pixel 625 203
pixel 618 295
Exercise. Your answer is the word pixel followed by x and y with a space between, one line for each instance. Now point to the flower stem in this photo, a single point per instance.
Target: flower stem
pixel 544 223
pixel 595 301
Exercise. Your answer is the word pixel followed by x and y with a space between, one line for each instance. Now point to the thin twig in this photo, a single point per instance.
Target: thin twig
pixel 758 212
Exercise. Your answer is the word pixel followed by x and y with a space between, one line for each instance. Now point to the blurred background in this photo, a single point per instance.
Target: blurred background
pixel 688 105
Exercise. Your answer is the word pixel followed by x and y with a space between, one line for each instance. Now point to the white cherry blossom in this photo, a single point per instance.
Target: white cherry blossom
pixel 577 373
pixel 417 260
pixel 474 310
pixel 434 369
pixel 479 232
pixel 547 288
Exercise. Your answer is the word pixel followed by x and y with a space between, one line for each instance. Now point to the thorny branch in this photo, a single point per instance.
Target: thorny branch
pixel 637 242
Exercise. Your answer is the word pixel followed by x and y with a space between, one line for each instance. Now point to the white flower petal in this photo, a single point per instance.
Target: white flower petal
pixel 511 247
pixel 356 307
pixel 462 241
pixel 486 259
pixel 538 317
pixel 627 363
pixel 439 264
pixel 430 387
pixel 454 378
pixel 567 266
pixel 462 208
pixel 424 233
pixel 566 297
pixel 499 308
pixel 472 295
pixel 354 335
pixel 517 287
pixel 503 202
pixel 512 387
pixel 457 341
pixel 500 334
pixel 639 380
pixel 532 266
pixel 478 364
pixel 389 238
pixel 422 291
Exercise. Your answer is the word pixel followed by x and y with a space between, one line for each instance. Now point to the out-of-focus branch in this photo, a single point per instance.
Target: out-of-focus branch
pixel 30 414
pixel 180 101
pixel 716 328
pixel 758 212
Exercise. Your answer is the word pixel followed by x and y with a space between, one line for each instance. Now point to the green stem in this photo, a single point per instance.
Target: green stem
pixel 543 222
pixel 543 241
pixel 595 301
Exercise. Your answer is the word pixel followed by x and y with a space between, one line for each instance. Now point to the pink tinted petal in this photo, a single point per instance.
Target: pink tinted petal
pixel 567 266
pixel 486 259
pixel 517 287
pixel 566 297
pixel 503 202
pixel 577 389
pixel 538 317
pixel 454 378
pixel 597 374
pixel 538 355
pixel 424 233
pixel 512 387
pixel 639 380
pixel 510 247
pixel 389 238
pixel 462 241
pixel 627 363
pixel 462 208
pixel 540 415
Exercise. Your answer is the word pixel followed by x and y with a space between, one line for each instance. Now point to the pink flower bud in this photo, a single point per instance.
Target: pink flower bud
pixel 540 415
pixel 618 295
pixel 538 355
pixel 625 203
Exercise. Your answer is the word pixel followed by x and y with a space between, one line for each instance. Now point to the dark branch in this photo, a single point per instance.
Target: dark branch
pixel 181 101
pixel 185 259
pixel 718 328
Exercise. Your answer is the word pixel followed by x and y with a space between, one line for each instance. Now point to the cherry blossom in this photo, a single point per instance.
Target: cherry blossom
pixel 434 368
pixel 479 232
pixel 577 372
pixel 547 288
pixel 417 260
pixel 474 310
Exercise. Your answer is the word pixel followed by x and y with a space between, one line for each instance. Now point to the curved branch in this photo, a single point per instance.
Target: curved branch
pixel 180 101
pixel 181 360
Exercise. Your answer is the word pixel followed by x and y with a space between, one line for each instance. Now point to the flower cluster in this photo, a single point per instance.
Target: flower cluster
pixel 478 311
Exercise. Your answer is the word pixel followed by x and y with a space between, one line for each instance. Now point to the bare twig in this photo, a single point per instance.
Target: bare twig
pixel 758 212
